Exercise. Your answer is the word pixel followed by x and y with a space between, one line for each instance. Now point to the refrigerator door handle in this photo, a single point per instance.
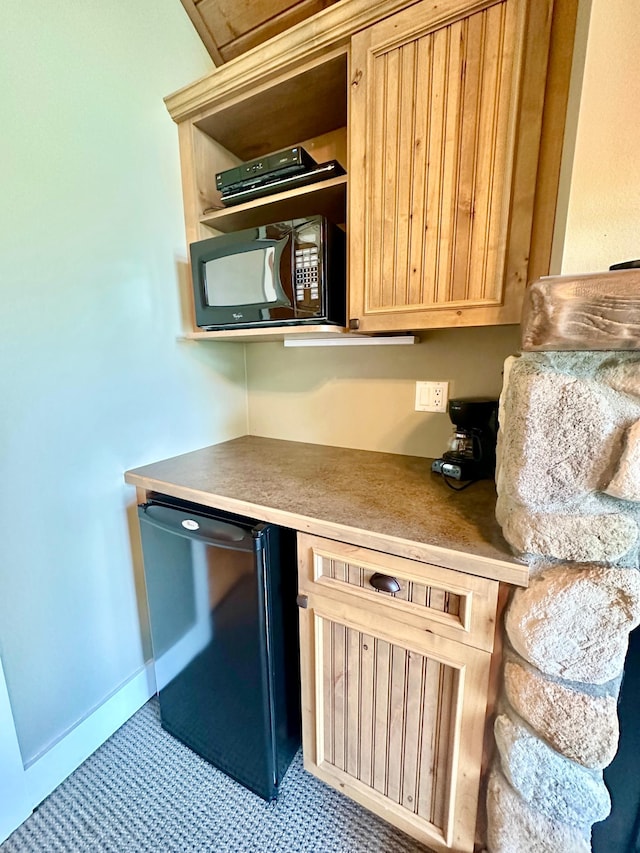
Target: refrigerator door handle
pixel 220 534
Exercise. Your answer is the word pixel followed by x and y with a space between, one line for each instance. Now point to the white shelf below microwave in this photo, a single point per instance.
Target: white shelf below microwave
pixel 266 334
pixel 302 336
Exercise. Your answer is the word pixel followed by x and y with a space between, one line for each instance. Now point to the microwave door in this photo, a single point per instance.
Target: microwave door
pixel 247 278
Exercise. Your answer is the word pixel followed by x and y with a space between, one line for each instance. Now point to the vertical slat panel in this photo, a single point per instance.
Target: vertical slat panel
pixel 352 690
pixel 437 119
pixel 442 760
pixel 437 599
pixel 502 163
pixel 426 776
pixel 417 283
pixel 352 574
pixel 367 692
pixel 404 170
pixel 398 701
pixel 470 69
pixel 339 696
pixel 451 156
pixel 375 169
pixel 381 714
pixel 419 594
pixel 492 157
pixel 388 719
pixel 494 83
pixel 439 180
pixel 328 694
pixel 413 730
pixel 391 154
pixel 339 570
pixel 404 591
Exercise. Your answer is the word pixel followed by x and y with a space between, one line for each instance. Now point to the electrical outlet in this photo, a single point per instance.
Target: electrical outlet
pixel 432 396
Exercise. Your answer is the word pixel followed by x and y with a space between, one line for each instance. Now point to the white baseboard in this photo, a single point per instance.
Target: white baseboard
pixel 15 804
pixel 52 768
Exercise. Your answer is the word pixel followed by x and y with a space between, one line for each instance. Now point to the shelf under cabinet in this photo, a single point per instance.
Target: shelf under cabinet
pixel 248 336
pixel 326 198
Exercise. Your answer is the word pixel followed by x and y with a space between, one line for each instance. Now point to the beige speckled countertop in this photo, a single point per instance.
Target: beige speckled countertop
pixel 384 501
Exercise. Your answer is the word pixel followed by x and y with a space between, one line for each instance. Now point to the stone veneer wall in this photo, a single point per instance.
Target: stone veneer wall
pixel 568 482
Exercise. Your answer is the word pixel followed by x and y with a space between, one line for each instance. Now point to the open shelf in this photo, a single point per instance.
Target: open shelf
pixel 327 198
pixel 283 112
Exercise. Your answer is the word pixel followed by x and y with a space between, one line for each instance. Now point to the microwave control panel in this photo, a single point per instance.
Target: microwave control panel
pixel 306 276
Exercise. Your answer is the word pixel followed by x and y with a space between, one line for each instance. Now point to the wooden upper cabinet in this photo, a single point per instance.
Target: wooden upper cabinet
pixel 448 117
pixel 446 107
pixel 228 28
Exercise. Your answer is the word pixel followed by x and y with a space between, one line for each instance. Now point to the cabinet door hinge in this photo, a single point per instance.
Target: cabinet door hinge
pixel 354 324
pixel 302 601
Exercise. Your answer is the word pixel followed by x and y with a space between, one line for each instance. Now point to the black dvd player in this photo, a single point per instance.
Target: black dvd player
pixel 290 161
pixel 279 184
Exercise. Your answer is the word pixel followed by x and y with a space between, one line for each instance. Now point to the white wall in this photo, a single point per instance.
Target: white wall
pixel 603 215
pixel 92 378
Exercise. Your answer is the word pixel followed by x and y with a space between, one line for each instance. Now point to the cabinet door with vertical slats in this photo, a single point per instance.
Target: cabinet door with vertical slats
pixel 434 129
pixel 394 719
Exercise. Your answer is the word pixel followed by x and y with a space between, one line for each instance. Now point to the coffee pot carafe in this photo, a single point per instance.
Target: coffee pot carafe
pixel 471 450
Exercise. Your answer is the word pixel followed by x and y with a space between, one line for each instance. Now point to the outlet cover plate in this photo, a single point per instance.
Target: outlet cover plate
pixel 432 396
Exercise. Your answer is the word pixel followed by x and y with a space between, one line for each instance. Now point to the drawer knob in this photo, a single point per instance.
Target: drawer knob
pixel 384 583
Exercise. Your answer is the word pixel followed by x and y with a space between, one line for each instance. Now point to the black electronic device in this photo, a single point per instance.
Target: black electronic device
pixel 471 453
pixel 281 274
pixel 289 161
pixel 221 595
pixel 279 183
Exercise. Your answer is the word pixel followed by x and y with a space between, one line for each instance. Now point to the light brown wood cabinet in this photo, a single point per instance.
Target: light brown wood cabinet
pixel 448 116
pixel 395 686
pixel 446 113
pixel 228 28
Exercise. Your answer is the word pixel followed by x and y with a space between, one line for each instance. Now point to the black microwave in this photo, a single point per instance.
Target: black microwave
pixel 286 273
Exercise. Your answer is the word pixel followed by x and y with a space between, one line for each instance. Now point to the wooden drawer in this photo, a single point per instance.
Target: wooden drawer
pixel 441 601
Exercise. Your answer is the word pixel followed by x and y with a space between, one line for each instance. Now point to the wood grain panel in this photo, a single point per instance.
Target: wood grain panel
pixel 366 722
pixel 460 606
pixel 229 28
pixel 229 19
pixel 448 88
pixel 419 282
pixel 472 37
pixel 597 311
pixel 337 674
pixel 390 728
pixel 482 263
pixel 381 716
pixel 415 592
pixel 278 113
pixel 393 714
pixel 452 71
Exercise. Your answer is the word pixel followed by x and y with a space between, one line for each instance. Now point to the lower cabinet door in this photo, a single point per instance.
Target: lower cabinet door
pixel 394 718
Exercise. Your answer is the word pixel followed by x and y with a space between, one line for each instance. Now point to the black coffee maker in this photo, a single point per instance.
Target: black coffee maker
pixel 471 452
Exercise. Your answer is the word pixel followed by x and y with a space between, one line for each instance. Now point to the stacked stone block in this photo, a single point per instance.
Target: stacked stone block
pixel 568 482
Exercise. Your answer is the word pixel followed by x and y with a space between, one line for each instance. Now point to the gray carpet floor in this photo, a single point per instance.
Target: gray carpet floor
pixel 144 791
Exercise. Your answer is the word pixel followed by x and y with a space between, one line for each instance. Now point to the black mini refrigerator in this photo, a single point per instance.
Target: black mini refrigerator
pixel 221 591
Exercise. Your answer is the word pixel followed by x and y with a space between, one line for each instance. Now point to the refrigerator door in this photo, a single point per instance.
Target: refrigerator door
pixel 210 612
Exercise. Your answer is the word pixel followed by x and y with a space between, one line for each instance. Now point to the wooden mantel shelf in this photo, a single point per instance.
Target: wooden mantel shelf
pixel 384 501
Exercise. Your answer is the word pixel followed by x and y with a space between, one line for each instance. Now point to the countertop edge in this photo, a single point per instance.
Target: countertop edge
pixel 463 561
